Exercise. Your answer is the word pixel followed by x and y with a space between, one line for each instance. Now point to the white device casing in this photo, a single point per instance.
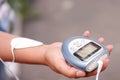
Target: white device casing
pixel 71 45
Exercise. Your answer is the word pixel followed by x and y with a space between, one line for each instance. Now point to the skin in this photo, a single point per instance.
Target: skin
pixel 48 54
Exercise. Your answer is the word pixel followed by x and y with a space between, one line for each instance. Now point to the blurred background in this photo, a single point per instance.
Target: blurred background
pixel 56 20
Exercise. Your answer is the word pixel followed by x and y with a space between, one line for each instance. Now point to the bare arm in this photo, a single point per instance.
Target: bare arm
pixel 5 48
pixel 33 55
pixel 49 55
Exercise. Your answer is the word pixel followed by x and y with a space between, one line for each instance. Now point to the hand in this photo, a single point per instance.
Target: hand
pixel 109 47
pixel 55 60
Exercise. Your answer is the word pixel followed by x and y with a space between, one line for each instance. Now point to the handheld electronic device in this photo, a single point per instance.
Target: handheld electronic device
pixel 84 53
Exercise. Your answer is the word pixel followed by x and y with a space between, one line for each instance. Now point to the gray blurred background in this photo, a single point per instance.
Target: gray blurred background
pixel 62 19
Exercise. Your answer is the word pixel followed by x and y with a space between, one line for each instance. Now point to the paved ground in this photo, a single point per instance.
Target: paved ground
pixel 61 19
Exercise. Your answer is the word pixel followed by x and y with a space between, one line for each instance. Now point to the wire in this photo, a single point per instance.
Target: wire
pixel 16 77
pixel 100 64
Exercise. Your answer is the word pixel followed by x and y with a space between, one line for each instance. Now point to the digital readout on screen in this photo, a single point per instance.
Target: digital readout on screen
pixel 87 50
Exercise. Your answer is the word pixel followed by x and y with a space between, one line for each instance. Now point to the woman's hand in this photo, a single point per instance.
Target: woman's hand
pixel 55 60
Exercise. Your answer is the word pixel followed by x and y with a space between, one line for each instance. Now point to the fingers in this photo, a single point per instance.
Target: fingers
pixel 101 40
pixel 87 34
pixel 109 47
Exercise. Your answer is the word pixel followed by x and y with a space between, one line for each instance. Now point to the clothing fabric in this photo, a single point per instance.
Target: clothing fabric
pixel 1 29
pixel 3 75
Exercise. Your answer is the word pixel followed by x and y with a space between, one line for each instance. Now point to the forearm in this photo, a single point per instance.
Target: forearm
pixel 5 47
pixel 32 55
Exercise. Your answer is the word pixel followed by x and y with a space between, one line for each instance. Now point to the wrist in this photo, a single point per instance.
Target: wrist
pixel 42 54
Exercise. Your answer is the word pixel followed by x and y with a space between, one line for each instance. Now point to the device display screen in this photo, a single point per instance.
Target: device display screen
pixel 87 50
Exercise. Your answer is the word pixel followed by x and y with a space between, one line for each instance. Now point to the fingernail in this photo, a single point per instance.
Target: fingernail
pixel 80 74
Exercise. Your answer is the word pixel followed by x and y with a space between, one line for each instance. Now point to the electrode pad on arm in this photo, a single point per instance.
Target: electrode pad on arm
pixel 19 43
pixel 84 53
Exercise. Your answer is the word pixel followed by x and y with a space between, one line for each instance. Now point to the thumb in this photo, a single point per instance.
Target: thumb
pixel 69 71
